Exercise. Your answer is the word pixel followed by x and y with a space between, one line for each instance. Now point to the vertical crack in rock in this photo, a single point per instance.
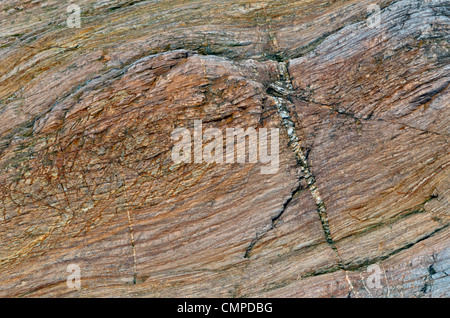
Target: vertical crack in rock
pixel 131 232
pixel 133 247
pixel 281 91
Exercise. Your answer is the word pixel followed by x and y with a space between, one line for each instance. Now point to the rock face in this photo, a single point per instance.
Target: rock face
pixel 359 206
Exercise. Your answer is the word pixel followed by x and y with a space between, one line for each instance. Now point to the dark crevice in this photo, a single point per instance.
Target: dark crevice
pixel 124 5
pixel 429 96
pixel 375 260
pixel 274 220
pixel 403 248
pixel 420 208
pixel 344 112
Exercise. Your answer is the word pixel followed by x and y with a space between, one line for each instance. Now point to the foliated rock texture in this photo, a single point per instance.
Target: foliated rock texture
pixel 359 206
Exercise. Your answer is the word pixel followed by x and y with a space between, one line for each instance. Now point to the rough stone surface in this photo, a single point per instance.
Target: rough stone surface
pixel 86 175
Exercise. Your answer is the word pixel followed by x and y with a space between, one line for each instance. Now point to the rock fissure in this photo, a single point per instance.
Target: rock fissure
pixel 368 262
pixel 281 91
pixel 275 221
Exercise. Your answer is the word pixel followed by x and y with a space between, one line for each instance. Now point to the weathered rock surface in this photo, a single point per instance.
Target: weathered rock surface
pixel 86 117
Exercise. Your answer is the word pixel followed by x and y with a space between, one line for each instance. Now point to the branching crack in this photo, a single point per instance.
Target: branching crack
pixel 281 91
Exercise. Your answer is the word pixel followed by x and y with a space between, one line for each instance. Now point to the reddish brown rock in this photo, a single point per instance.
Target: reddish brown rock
pixel 87 176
